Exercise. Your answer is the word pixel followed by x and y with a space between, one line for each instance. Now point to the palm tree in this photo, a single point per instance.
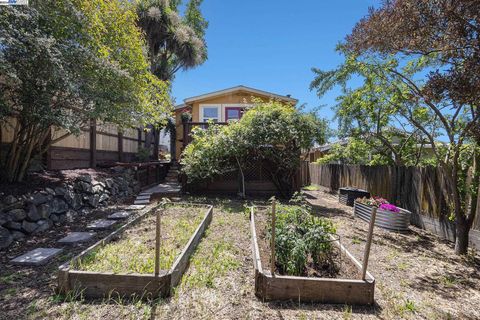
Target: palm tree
pixel 174 42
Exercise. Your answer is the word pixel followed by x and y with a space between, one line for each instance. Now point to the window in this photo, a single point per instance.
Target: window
pixel 233 113
pixel 210 113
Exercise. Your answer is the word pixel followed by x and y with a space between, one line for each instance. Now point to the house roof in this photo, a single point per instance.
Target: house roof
pixel 234 89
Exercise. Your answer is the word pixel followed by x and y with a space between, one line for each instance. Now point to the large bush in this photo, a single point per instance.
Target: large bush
pixel 271 132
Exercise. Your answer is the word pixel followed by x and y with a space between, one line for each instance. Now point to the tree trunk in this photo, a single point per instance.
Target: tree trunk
pixel 461 241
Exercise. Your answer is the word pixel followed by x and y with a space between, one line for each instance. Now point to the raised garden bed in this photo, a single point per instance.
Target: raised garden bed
pixel 342 287
pixel 348 195
pixel 394 221
pixel 123 263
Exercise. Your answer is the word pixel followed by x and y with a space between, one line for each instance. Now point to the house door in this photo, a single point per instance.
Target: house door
pixel 233 113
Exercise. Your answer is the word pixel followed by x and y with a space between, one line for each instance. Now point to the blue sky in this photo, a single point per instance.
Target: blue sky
pixel 272 46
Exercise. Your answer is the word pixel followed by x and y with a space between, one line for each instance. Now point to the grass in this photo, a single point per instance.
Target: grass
pixel 312 187
pixel 215 262
pixel 134 252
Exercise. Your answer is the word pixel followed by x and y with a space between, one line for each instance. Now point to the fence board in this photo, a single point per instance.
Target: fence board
pixel 418 190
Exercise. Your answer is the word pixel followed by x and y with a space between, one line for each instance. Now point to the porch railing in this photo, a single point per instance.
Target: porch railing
pixel 188 127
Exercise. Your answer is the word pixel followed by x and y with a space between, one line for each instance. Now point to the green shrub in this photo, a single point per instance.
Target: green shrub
pixel 299 236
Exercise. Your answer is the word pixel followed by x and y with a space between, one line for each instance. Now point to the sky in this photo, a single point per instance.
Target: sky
pixel 272 46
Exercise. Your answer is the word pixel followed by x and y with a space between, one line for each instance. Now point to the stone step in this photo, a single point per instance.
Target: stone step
pixel 135 207
pixel 119 215
pixel 75 237
pixel 141 202
pixel 36 257
pixel 145 197
pixel 101 224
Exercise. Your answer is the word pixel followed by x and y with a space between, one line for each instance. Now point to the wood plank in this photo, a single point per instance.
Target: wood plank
pixel 99 285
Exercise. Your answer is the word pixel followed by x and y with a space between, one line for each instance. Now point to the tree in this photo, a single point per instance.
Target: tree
pixel 446 33
pixel 63 63
pixel 392 95
pixel 174 42
pixel 270 132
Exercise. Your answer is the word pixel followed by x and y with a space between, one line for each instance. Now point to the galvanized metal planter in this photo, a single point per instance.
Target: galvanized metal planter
pixel 348 195
pixel 394 221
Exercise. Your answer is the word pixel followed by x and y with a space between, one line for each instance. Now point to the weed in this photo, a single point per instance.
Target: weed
pixel 347 312
pixel 312 187
pixel 356 240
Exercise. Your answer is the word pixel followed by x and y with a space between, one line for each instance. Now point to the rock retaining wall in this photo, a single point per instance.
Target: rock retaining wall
pixel 36 212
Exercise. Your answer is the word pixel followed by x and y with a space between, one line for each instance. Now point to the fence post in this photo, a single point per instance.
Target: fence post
pixel 157 245
pixel 272 244
pixel 93 143
pixel 369 242
pixel 120 145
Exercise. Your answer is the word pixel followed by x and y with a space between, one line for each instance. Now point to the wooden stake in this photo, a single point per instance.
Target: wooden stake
pixel 272 244
pixel 369 242
pixel 157 245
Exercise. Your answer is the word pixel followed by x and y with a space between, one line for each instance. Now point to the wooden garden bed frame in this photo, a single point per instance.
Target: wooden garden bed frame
pixel 103 284
pixel 325 290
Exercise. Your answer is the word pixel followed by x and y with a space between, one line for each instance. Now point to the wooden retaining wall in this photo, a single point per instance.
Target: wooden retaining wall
pixel 418 190
pixel 99 144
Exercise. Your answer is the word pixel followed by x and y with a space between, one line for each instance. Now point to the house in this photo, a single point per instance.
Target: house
pixel 220 106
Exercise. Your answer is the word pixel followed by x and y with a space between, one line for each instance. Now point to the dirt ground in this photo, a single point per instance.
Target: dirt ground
pixel 417 277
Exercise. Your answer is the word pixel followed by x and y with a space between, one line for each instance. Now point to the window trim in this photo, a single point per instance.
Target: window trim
pixel 210 105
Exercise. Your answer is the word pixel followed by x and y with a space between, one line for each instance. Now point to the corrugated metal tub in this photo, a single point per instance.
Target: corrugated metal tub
pixel 394 221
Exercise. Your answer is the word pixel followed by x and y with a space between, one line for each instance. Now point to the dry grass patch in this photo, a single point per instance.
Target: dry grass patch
pixel 134 250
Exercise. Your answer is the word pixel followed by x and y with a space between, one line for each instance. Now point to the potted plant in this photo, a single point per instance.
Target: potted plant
pixel 186 116
pixel 388 217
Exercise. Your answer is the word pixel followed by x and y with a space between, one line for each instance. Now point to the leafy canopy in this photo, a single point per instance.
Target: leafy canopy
pixel 272 132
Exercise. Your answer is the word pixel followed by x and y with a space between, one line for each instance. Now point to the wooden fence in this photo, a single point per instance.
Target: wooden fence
pixel 412 188
pixel 99 144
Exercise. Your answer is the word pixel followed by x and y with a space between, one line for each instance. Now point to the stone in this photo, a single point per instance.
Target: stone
pixel 97 189
pixel 12 225
pixel 75 237
pixel 37 257
pixel 119 215
pixel 141 202
pixel 29 227
pixel 9 200
pixel 58 206
pixel 85 178
pixel 32 213
pixel 136 207
pixel 39 198
pixel 50 191
pixel 99 183
pixel 109 183
pixel 69 216
pixel 101 224
pixel 4 218
pixel 17 214
pixel 54 218
pixel 43 225
pixel 143 197
pixel 62 218
pixel 6 238
pixel 104 197
pixel 73 199
pixel 44 211
pixel 86 187
pixel 18 235
pixel 93 200
pixel 60 191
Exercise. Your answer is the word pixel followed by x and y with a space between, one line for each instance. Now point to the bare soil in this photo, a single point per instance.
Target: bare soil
pixel 417 277
pixel 340 265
